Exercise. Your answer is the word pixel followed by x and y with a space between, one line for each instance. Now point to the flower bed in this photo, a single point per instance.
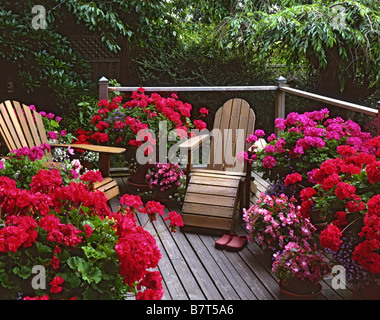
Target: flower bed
pixel 133 122
pixel 331 167
pixel 307 140
pixel 61 241
pixel 347 193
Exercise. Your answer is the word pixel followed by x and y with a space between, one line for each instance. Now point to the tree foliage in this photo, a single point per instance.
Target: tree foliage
pixel 339 39
pixel 43 60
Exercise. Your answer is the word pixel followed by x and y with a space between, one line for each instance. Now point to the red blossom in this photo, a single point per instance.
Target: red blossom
pixel 152 208
pixel 330 238
pixel 46 180
pixel 200 125
pixel 367 255
pixel 137 251
pixel 373 172
pixel 340 219
pixel 56 284
pixel 131 201
pixel 374 205
pixel 175 220
pixel 92 176
pixel 344 190
pixel 292 178
pixel 345 150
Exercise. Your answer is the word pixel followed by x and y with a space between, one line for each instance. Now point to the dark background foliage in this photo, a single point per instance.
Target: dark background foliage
pixel 183 43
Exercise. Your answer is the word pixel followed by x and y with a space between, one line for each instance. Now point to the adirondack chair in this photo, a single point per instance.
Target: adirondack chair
pixel 22 127
pixel 213 193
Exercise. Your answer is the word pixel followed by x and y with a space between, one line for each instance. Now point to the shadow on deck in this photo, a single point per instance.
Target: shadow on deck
pixel 192 269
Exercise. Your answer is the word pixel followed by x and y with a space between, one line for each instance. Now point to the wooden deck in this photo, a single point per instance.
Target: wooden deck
pixel 192 269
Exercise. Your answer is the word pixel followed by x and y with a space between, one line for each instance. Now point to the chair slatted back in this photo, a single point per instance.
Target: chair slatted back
pixel 21 127
pixel 235 114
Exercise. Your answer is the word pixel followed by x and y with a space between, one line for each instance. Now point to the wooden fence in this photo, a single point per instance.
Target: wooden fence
pixel 280 89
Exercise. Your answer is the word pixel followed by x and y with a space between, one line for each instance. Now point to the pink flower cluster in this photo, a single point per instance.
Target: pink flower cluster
pixel 275 221
pixel 304 135
pixel 299 262
pixel 165 176
pixel 33 153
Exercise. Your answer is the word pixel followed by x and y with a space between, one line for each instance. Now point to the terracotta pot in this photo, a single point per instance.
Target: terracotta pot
pixel 136 188
pixel 315 217
pixel 371 292
pixel 138 177
pixel 163 196
pixel 318 221
pixel 300 289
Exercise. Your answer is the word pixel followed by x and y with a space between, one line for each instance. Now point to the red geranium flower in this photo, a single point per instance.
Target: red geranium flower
pixel 330 238
pixel 55 283
pixel 292 178
pixel 92 175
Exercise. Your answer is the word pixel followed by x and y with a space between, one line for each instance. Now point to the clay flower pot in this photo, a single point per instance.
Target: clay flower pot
pixel 300 289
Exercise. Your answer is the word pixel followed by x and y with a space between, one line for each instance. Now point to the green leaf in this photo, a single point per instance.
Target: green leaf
pixel 24 272
pixel 88 271
pixel 90 252
pixel 72 278
pixel 90 294
pixel 42 248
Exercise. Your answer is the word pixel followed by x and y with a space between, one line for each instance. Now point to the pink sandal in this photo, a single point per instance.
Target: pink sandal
pixel 224 240
pixel 237 243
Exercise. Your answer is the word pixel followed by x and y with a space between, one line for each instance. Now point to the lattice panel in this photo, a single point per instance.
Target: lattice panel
pixel 92 49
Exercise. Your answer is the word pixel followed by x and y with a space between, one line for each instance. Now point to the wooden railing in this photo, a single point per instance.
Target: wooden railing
pixel 280 89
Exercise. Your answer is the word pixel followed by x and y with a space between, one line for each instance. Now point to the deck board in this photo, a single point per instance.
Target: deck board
pixel 193 269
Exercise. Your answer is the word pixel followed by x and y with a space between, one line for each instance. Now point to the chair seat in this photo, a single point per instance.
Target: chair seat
pixel 109 187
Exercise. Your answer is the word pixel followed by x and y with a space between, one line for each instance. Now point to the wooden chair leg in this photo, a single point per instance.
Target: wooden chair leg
pixel 104 164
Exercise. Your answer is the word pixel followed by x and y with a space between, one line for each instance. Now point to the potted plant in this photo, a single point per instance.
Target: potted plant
pixel 276 221
pixel 362 282
pixel 305 142
pixel 347 193
pixel 164 180
pixel 137 122
pixel 61 241
pixel 299 269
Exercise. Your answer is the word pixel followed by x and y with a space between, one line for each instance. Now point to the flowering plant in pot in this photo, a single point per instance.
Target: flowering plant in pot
pixel 119 123
pixel 347 193
pixel 63 242
pixel 138 121
pixel 276 221
pixel 306 141
pixel 299 268
pixel 364 284
pixel 164 179
pixel 24 163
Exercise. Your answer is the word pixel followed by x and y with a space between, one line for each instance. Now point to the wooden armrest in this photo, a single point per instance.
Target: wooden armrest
pixel 91 147
pixel 194 142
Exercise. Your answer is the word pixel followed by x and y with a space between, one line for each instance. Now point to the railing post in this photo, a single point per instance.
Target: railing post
pixel 378 118
pixel 103 88
pixel 280 100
